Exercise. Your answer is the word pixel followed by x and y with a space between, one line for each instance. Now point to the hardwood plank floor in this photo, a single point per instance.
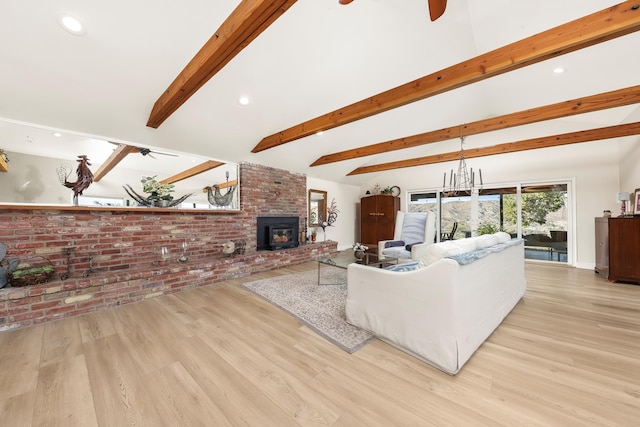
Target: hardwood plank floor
pixel 569 354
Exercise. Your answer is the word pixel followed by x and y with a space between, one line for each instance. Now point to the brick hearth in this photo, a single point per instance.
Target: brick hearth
pixel 124 245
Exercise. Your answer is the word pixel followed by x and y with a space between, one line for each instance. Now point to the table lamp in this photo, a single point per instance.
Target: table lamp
pixel 623 198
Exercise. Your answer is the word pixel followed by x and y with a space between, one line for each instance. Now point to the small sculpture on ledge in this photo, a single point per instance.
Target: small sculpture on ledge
pixel 332 215
pixel 231 249
pixel 85 177
pixel 159 194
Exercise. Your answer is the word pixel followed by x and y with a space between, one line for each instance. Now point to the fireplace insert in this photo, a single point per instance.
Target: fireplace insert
pixel 277 232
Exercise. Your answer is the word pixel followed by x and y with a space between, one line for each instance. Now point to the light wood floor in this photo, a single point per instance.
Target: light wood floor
pixel 568 355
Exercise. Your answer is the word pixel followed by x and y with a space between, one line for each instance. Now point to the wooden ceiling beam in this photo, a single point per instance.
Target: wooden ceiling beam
pixel 203 167
pixel 602 101
pixel 119 153
pixel 510 147
pixel 245 23
pixel 598 27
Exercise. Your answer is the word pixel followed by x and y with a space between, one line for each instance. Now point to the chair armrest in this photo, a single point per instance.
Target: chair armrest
pixel 418 250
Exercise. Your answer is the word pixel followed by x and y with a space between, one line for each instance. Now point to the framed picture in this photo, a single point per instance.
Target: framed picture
pixel 636 202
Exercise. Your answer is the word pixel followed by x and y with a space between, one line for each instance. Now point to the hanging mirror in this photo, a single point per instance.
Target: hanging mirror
pixel 317 207
pixel 40 158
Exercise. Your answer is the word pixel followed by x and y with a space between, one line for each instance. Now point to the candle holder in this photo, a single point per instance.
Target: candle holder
pixel 183 257
pixel 164 256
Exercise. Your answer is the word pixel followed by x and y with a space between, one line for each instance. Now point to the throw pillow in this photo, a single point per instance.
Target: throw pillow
pixel 502 236
pixel 413 227
pixel 465 245
pixel 438 251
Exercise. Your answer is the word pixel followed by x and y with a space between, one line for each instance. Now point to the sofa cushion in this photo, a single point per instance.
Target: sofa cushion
pixel 438 251
pixel 465 245
pixel 486 240
pixel 502 236
pixel 447 249
pixel 397 252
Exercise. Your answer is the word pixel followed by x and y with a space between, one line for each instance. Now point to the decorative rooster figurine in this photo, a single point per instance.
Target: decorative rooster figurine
pixel 85 178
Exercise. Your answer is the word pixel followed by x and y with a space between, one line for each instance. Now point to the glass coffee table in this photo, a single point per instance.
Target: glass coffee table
pixel 342 262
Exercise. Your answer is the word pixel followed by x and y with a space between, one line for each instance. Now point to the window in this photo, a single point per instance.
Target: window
pixel 423 202
pixel 491 211
pixel 539 213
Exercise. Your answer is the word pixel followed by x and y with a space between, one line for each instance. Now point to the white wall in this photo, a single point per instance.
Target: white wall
pixel 593 166
pixel 346 196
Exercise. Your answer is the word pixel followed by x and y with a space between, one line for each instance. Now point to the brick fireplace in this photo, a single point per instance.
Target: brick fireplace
pixel 121 248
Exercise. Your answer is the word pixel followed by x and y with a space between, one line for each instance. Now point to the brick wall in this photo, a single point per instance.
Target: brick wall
pixel 123 245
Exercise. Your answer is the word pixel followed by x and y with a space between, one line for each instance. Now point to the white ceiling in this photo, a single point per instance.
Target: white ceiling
pixel 319 56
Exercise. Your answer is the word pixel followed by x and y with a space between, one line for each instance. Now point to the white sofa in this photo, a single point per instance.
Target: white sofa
pixel 443 307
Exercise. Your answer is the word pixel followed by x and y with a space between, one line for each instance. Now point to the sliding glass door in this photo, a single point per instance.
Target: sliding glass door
pixel 545 221
pixel 539 213
pixel 496 210
pixel 455 216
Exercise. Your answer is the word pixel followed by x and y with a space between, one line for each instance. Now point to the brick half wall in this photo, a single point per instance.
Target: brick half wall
pixel 122 248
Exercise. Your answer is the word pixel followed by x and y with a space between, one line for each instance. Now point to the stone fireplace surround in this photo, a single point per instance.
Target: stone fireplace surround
pixel 124 245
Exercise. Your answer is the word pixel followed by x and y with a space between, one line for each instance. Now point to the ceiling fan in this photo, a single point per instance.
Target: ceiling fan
pixel 436 7
pixel 145 151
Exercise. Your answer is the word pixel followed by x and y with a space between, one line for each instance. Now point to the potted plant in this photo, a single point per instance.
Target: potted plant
pixel 161 193
pixel 359 249
pixel 314 233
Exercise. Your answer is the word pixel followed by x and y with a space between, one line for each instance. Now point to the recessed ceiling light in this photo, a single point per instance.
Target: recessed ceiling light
pixel 559 70
pixel 72 24
pixel 57 134
pixel 243 100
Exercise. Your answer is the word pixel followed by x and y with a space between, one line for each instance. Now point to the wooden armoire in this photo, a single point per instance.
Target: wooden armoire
pixel 378 218
pixel 624 249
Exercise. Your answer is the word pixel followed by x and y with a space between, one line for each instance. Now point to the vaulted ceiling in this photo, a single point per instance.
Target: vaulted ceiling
pixel 389 87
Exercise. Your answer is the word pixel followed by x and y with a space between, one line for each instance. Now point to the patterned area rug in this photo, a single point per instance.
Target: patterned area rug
pixel 322 308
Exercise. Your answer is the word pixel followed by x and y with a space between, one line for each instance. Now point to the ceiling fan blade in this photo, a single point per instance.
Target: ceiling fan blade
pixel 147 152
pixel 165 154
pixel 345 1
pixel 436 8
